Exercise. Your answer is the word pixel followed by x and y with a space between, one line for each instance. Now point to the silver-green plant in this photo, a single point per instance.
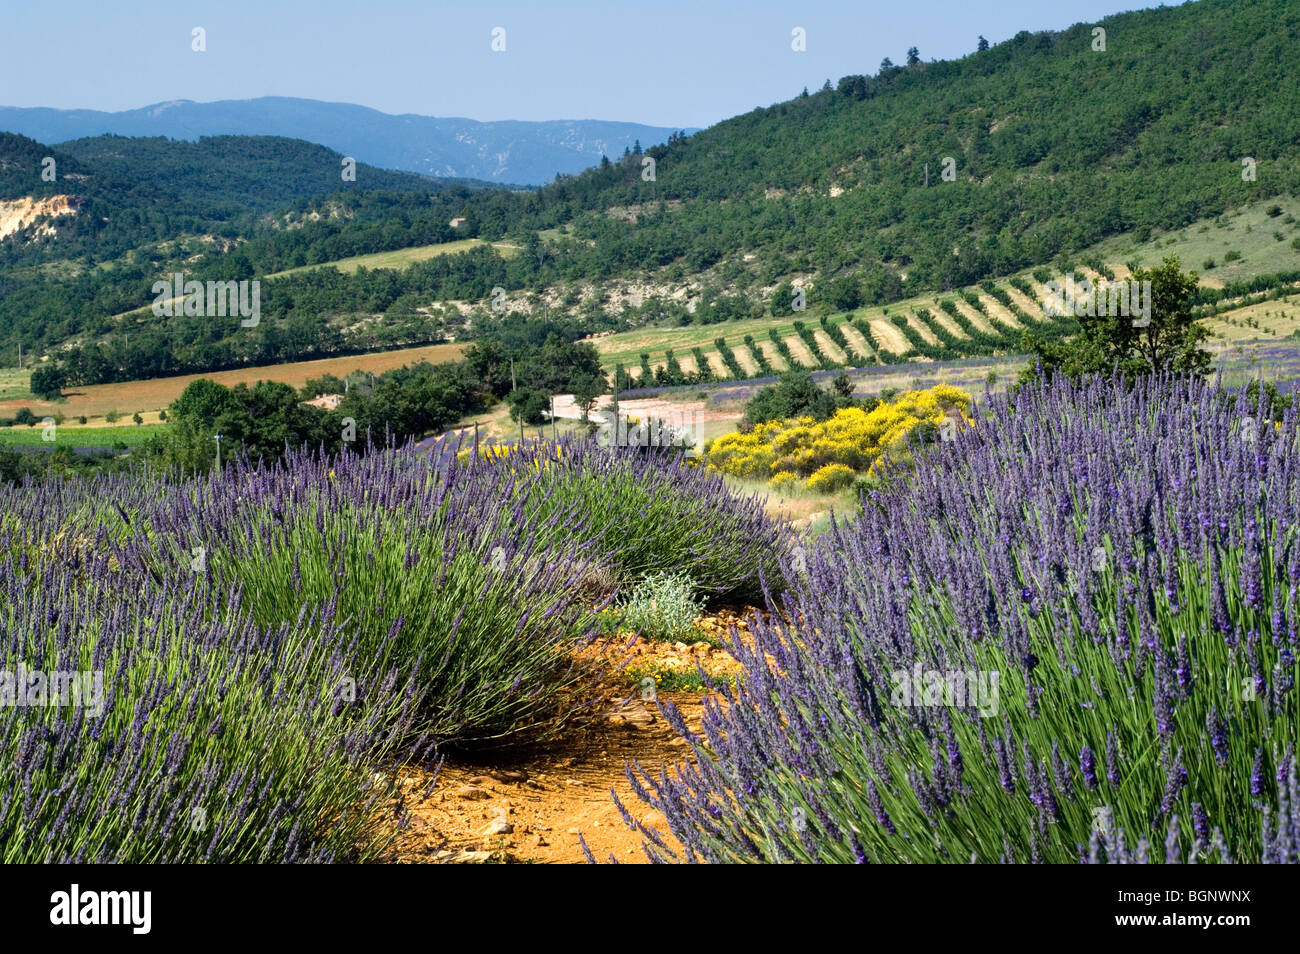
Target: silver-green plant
pixel 662 606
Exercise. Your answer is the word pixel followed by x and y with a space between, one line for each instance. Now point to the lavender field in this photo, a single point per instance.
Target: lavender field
pixel 1067 636
pixel 232 668
pixel 1070 636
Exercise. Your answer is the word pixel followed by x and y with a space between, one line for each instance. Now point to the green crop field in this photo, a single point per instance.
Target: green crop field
pixel 972 322
pixel 74 436
pixel 985 320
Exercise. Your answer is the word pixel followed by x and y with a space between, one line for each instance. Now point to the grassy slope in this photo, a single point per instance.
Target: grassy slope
pixel 401 258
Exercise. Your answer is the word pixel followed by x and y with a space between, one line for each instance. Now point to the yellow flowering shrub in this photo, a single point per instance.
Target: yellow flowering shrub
pixel 830 478
pixel 785 480
pixel 826 455
pixel 533 455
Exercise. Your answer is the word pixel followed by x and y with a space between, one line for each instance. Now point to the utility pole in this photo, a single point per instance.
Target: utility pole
pixel 476 440
pixel 613 407
pixel 20 355
pixel 514 387
pixel 555 434
pixel 927 175
pixel 217 438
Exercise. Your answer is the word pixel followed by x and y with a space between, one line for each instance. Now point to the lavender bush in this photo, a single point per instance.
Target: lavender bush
pixel 209 738
pixel 1069 636
pixel 270 643
pixel 652 511
pixel 431 569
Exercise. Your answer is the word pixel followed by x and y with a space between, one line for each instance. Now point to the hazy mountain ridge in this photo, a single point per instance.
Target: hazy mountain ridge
pixel 510 151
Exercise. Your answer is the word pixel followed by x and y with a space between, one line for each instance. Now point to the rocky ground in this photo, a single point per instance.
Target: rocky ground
pixel 531 806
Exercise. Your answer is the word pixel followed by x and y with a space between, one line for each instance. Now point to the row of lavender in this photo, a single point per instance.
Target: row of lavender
pixel 1071 635
pixel 228 669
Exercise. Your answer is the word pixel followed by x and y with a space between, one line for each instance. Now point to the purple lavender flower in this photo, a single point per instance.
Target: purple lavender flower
pixel 1112 759
pixel 1258 773
pixel 1088 766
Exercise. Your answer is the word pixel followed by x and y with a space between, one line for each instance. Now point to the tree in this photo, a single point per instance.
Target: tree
pixel 782 299
pixel 267 418
pixel 795 395
pixel 982 45
pixel 844 292
pixel 913 56
pixel 202 402
pixel 47 381
pixel 182 448
pixel 1168 341
pixel 885 66
pixel 528 405
pixel 587 391
pixel 558 364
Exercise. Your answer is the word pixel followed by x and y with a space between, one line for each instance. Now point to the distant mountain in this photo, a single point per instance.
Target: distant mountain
pixel 523 153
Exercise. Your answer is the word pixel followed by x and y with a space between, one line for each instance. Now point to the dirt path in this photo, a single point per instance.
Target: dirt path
pixel 532 805
pixel 887 336
pixel 532 808
pixel 774 359
pixel 829 347
pixel 677 413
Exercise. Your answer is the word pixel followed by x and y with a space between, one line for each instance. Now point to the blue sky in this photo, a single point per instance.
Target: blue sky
pixel 664 62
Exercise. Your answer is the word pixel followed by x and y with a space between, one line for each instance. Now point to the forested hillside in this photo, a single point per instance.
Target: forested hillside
pixel 135 191
pixel 908 179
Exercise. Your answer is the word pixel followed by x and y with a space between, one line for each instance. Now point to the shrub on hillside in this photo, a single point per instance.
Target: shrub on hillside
pixel 795 395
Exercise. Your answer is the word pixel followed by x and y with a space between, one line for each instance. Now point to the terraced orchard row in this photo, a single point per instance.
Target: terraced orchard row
pixel 985 320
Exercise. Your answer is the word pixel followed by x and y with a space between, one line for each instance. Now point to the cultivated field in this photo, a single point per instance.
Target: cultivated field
pixel 126 398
